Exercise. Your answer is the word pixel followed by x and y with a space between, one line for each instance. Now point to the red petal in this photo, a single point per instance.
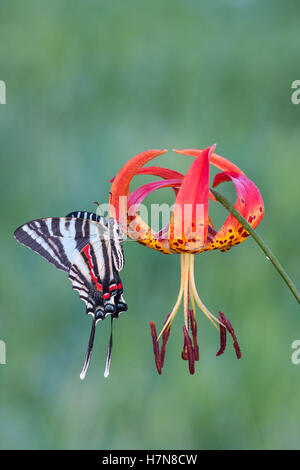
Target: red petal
pixel 249 204
pixel 120 185
pixel 215 159
pixel 137 196
pixel 165 173
pixel 189 221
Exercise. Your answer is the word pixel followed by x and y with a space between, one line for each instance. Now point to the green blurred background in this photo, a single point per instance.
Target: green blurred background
pixel 90 84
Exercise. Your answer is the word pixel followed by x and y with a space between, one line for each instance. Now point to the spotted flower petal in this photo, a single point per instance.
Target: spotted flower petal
pixel 249 204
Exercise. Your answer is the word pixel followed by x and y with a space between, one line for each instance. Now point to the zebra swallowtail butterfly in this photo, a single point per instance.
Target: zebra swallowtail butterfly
pixel 89 248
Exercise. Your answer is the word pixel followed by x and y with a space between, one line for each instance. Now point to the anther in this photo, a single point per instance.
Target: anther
pixel 189 349
pixel 229 328
pixel 193 325
pixel 159 354
pixel 155 347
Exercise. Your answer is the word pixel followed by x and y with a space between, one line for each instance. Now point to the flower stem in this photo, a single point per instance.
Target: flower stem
pixel 259 241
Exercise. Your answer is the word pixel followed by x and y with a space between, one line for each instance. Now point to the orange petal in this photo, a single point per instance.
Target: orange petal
pixel 249 204
pixel 165 173
pixel 215 159
pixel 137 196
pixel 120 185
pixel 189 221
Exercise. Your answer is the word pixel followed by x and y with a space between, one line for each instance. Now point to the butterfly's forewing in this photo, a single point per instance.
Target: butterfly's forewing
pixel 57 239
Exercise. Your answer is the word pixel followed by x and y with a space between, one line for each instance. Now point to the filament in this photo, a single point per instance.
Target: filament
pixel 201 305
pixel 178 301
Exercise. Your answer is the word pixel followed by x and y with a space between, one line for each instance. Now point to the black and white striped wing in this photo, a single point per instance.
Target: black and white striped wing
pixel 57 239
pixel 84 275
pixel 89 248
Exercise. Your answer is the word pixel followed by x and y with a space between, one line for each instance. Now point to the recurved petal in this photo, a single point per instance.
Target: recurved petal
pixel 164 173
pixel 137 228
pixel 249 204
pixel 120 185
pixel 215 159
pixel 137 196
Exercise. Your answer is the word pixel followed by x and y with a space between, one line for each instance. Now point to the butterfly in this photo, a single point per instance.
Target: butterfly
pixel 89 248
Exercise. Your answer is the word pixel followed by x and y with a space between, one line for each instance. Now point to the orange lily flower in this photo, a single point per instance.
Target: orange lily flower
pixel 189 231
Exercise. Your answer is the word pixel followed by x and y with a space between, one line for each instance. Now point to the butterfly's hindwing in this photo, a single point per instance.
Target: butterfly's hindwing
pixel 97 281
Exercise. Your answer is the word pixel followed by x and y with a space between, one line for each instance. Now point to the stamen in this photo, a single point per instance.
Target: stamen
pixel 160 354
pixel 165 338
pixel 186 265
pixel 228 327
pixel 193 324
pixel 222 340
pixel 155 347
pixel 178 301
pixel 184 353
pixel 189 349
pixel 206 312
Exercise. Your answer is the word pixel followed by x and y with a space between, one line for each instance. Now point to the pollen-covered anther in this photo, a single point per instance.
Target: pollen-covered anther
pixel 188 350
pixel 193 325
pixel 165 337
pixel 155 347
pixel 159 354
pixel 226 325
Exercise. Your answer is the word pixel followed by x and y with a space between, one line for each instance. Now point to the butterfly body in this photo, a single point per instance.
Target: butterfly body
pixel 89 248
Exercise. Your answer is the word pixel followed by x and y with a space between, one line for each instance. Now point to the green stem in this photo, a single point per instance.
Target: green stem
pixel 259 241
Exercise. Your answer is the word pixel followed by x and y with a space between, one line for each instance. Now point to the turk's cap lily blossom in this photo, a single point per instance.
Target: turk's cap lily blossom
pixel 189 231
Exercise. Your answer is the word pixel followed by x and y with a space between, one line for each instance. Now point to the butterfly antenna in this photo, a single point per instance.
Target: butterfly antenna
pixel 89 350
pixel 108 357
pixel 99 210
